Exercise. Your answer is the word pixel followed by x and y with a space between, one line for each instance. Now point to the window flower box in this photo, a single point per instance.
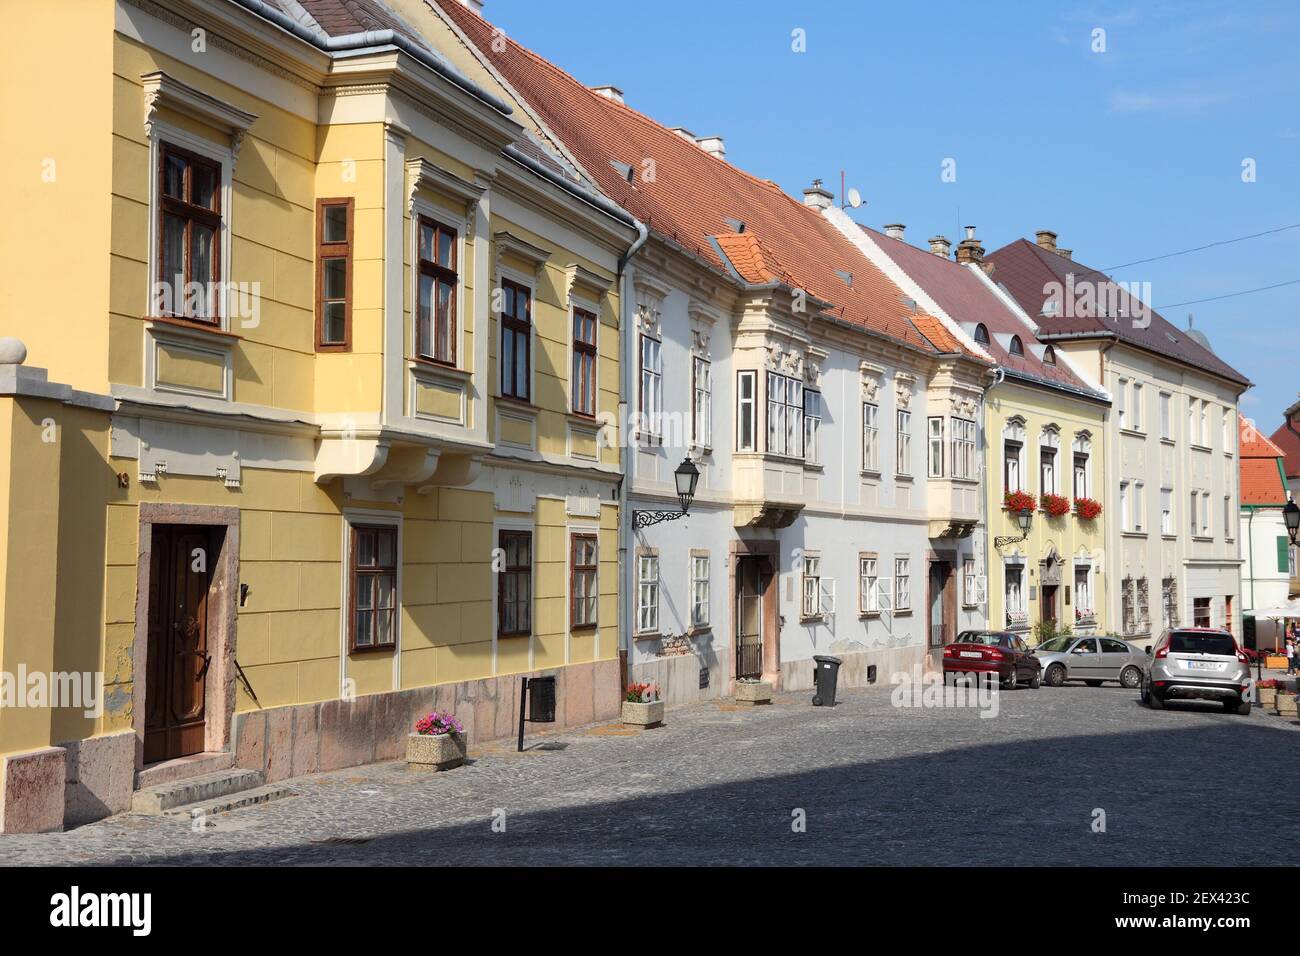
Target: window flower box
pixel 642 706
pixel 1016 501
pixel 753 692
pixel 438 743
pixel 1087 509
pixel 1054 506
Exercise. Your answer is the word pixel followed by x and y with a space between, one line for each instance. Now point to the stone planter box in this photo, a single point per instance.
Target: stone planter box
pixel 1275 662
pixel 643 715
pixel 1267 696
pixel 429 752
pixel 1286 705
pixel 759 692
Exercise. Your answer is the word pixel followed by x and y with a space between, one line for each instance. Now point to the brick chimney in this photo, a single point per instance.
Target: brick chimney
pixel 940 246
pixel 1047 241
pixel 713 145
pixel 895 230
pixel 969 249
pixel 609 92
pixel 818 196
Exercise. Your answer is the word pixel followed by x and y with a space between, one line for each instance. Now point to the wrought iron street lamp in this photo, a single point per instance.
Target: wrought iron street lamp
pixel 1024 518
pixel 1291 515
pixel 687 476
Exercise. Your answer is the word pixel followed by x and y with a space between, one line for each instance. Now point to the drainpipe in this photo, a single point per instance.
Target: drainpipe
pixel 626 305
pixel 998 376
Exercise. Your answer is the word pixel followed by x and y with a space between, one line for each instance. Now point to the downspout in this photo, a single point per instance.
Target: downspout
pixel 626 305
pixel 999 375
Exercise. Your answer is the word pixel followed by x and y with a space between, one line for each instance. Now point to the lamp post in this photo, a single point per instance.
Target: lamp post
pixel 687 476
pixel 1024 518
pixel 1290 515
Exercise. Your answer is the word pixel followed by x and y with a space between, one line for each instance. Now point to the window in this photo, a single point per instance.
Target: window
pixel 745 411
pixel 702 401
pixel 963 448
pixel 699 589
pixel 784 415
pixel 812 425
pixel 1047 446
pixel 189 230
pixel 1082 452
pixel 1192 512
pixel 1049 356
pixel 969 583
pixel 435 325
pixel 1284 555
pixel 1205 423
pixel 1083 609
pixel 647 592
pixel 1133 605
pixel 583 595
pixel 1139 506
pixel 1121 403
pixel 1014 596
pixel 870 448
pixel 1166 511
pixel 1011 465
pixel 981 334
pixel 903 444
pixel 651 398
pixel 584 362
pixel 1137 406
pixel 1205 514
pixel 1201 612
pixel 1124 515
pixel 333 274
pixel 812 585
pixel 515 584
pixel 934 450
pixel 1192 419
pixel 902 584
pixel 1227 431
pixel 1166 416
pixel 1227 517
pixel 1169 600
pixel 373 597
pixel 868 581
pixel 1017 347
pixel 516 340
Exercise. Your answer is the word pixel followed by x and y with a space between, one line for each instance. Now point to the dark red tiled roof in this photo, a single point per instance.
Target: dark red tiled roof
pixel 693 197
pixel 966 298
pixel 1289 444
pixel 1025 269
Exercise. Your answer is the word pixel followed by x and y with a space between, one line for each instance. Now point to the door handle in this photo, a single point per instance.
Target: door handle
pixel 207 660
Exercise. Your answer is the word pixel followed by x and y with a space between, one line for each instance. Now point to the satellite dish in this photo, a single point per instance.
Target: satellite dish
pixel 855 198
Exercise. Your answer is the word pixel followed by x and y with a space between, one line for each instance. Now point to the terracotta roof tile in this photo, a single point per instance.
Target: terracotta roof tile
pixel 1289 443
pixel 1024 269
pixel 693 196
pixel 1261 476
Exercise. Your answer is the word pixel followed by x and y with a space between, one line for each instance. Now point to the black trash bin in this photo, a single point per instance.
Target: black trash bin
pixel 828 675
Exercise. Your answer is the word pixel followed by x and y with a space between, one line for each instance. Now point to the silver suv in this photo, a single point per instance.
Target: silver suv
pixel 1198 663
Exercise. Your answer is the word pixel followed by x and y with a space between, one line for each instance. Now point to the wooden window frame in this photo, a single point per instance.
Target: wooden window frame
pixel 441 274
pixel 183 208
pixel 584 349
pixel 574 570
pixel 373 573
pixel 517 327
pixel 526 570
pixel 334 250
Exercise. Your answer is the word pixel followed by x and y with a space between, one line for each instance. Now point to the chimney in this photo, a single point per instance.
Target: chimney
pixel 475 5
pixel 1046 239
pixel 684 133
pixel 1063 253
pixel 609 92
pixel 817 196
pixel 895 230
pixel 969 249
pixel 713 145
pixel 940 246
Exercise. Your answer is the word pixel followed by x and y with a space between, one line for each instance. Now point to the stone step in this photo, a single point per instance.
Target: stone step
pixel 234 801
pixel 210 786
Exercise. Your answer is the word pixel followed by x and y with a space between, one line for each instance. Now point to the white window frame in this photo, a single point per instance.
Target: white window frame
pixel 1166 416
pixel 650 390
pixel 784 415
pixel 701 402
pixel 746 443
pixel 903 443
pixel 902 583
pixel 810 587
pixel 700 590
pixel 934 446
pixel 963 448
pixel 1167 511
pixel 648 585
pixel 871 437
pixel 868 584
pixel 812 425
pixel 1138 418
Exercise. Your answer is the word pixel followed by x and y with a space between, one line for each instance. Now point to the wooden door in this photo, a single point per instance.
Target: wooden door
pixel 180 576
pixel 750 585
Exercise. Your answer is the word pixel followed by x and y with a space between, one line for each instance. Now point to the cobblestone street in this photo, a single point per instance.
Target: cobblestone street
pixel 720 785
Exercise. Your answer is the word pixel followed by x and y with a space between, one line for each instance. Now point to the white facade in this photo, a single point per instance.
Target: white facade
pixel 1267 569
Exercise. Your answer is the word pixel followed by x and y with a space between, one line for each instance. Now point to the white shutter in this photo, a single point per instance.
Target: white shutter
pixel 981 595
pixel 826 599
pixel 884 594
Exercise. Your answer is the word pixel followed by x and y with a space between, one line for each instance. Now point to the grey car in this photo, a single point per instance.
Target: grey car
pixel 1092 660
pixel 1198 663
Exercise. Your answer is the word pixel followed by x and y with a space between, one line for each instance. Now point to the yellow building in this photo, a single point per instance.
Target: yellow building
pixel 315 424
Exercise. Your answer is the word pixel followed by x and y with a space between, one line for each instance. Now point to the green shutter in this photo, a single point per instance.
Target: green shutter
pixel 1283 553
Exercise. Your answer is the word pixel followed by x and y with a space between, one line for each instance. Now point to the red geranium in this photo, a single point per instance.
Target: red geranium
pixel 1087 509
pixel 1015 501
pixel 1055 505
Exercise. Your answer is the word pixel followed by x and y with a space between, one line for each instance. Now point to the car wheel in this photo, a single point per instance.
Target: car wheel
pixel 1130 677
pixel 1035 682
pixel 1009 682
pixel 1055 675
pixel 1093 683
pixel 1241 707
pixel 1153 701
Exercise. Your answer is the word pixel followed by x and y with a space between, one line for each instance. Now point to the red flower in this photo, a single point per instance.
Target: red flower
pixel 1055 505
pixel 1014 501
pixel 1087 509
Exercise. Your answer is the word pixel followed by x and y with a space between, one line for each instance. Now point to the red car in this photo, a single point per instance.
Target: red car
pixel 992 652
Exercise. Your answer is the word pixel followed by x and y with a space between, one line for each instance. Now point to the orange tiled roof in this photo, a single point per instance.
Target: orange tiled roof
pixel 938 334
pixel 1261 467
pixel 693 198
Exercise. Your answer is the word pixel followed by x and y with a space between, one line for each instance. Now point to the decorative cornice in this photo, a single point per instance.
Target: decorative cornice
pixel 580 277
pixel 506 243
pixel 164 91
pixel 420 173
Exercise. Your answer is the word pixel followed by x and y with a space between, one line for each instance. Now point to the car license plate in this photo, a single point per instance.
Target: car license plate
pixel 1204 665
pixel 971 654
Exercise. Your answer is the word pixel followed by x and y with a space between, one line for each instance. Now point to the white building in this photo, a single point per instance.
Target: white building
pixel 1269 558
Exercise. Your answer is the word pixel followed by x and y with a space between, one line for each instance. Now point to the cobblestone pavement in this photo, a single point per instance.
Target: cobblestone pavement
pixel 721 784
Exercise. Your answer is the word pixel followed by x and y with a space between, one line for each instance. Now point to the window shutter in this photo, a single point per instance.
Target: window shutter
pixel 827 596
pixel 981 590
pixel 884 594
pixel 1283 554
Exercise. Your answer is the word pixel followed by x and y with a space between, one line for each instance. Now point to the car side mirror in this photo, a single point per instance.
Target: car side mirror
pixel 1148 652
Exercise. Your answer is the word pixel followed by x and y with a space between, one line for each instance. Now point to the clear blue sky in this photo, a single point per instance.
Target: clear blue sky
pixel 1129 153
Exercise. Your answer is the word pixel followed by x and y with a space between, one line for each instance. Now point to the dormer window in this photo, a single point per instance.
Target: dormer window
pixel 1017 347
pixel 1049 356
pixel 981 334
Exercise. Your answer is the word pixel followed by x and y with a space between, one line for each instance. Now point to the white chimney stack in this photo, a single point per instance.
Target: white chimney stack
pixel 817 196
pixel 713 145
pixel 609 92
pixel 895 230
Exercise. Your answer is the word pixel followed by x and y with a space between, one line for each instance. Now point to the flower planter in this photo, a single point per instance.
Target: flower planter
pixel 1275 662
pixel 435 751
pixel 1285 704
pixel 1267 696
pixel 753 693
pixel 643 715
